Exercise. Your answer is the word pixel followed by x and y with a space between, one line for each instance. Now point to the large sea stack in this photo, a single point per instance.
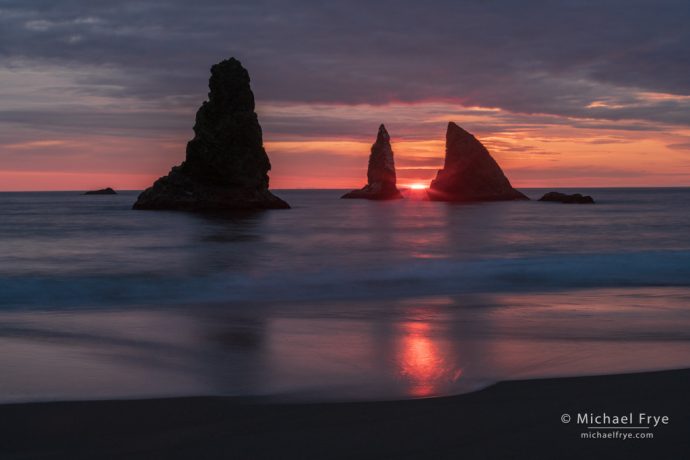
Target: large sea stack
pixel 226 167
pixel 381 172
pixel 470 173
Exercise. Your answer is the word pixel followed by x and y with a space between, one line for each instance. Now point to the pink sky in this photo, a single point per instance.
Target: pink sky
pixel 563 93
pixel 534 150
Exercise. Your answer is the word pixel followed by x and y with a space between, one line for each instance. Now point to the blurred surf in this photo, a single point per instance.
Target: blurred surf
pixel 64 249
pixel 337 299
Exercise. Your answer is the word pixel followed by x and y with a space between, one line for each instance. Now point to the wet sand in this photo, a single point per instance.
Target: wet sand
pixel 518 419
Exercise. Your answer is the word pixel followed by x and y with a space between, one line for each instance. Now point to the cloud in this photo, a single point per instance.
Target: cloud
pixel 333 70
pixel 543 57
pixel 680 146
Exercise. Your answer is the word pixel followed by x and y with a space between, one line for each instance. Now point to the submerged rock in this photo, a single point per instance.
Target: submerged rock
pixel 103 191
pixel 569 199
pixel 470 173
pixel 226 166
pixel 381 172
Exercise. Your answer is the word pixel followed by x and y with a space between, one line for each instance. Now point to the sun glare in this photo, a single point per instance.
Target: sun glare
pixel 417 186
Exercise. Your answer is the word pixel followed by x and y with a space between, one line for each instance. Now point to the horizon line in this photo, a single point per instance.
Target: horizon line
pixel 351 188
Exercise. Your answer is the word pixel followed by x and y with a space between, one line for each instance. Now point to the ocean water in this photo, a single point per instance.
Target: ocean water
pixel 337 299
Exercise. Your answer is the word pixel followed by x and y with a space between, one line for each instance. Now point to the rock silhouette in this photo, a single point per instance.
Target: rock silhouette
pixel 381 172
pixel 576 198
pixel 103 191
pixel 226 166
pixel 470 173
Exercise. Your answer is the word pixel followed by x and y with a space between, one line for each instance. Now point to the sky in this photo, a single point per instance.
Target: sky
pixel 569 93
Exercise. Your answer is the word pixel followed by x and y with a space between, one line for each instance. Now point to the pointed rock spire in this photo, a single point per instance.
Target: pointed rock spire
pixel 226 165
pixel 381 172
pixel 470 173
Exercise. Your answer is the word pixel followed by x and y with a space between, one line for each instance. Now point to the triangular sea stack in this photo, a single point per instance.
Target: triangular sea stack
pixel 226 167
pixel 381 172
pixel 469 172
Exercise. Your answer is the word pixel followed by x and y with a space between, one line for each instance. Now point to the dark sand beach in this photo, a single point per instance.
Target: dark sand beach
pixel 518 419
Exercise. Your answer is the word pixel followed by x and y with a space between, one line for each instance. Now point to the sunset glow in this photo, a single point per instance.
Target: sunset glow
pixel 533 154
pixel 418 186
pixel 75 117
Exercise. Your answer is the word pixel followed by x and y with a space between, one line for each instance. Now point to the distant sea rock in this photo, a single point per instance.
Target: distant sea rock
pixel 103 191
pixel 470 173
pixel 381 172
pixel 565 198
pixel 226 166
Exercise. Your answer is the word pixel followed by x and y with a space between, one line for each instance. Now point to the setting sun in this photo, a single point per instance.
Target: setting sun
pixel 418 186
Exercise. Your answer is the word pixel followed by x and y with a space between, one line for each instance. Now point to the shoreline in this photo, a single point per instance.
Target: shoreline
pixel 512 419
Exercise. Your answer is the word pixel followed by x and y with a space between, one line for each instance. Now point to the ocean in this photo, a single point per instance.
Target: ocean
pixel 337 299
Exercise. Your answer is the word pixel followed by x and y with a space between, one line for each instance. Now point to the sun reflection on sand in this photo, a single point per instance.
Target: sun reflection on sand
pixel 425 362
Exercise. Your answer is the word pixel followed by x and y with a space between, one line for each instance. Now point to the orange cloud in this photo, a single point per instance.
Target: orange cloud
pixel 331 149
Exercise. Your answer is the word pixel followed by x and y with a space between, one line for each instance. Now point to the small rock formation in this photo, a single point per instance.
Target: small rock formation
pixel 469 172
pixel 226 165
pixel 103 191
pixel 381 172
pixel 569 199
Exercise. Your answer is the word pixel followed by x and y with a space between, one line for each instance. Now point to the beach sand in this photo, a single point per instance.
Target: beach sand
pixel 511 420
